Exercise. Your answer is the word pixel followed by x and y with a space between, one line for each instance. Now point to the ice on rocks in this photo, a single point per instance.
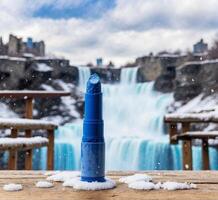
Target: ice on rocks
pixel 12 187
pixel 44 184
pixel 77 184
pixel 135 177
pixel 178 186
pixel 63 176
pixel 142 185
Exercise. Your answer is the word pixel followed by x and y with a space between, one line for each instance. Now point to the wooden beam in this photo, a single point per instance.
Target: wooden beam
pixel 198 135
pixel 205 155
pixel 50 150
pixel 12 163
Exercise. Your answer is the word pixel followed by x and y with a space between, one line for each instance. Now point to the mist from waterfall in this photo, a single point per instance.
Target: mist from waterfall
pixel 135 134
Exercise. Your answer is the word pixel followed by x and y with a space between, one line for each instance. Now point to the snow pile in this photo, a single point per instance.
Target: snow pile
pixel 134 178
pixel 22 141
pixel 198 104
pixel 77 184
pixel 142 185
pixel 44 184
pixel 4 57
pixel 143 182
pixel 12 187
pixel 178 186
pixel 42 67
pixel 63 176
pixel 213 61
pixel 72 179
pixel 5 111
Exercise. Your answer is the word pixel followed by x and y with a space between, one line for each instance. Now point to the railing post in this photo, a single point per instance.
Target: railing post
pixel 12 163
pixel 50 150
pixel 205 155
pixel 29 115
pixel 187 148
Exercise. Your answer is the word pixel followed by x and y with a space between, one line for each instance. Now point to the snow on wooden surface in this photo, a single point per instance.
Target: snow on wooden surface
pixel 12 187
pixel 135 177
pixel 63 176
pixel 19 121
pixel 22 141
pixel 142 185
pixel 207 187
pixel 44 184
pixel 178 186
pixel 207 116
pixel 142 182
pixel 77 184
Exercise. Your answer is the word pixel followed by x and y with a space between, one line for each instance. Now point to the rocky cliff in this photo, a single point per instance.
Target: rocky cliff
pixel 194 78
pixel 171 74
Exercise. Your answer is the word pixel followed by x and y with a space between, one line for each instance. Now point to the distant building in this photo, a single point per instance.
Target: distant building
pixel 200 47
pixel 16 47
pixel 99 62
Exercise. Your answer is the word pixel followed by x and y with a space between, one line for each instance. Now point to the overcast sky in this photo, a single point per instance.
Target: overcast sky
pixel 117 30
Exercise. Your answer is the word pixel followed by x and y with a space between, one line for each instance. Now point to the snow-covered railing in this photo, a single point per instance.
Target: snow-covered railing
pixel 22 143
pixel 186 136
pixel 192 117
pixel 14 143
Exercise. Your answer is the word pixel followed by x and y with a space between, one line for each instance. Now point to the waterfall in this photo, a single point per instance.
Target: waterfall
pixel 84 74
pixel 128 75
pixel 135 134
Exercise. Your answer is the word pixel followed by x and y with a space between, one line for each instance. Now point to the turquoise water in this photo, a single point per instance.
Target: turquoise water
pixel 135 135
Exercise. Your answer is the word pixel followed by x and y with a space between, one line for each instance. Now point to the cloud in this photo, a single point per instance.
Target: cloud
pixel 132 28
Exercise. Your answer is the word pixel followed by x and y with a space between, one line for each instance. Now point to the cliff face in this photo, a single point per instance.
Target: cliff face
pixel 42 74
pixel 186 81
pixel 108 75
pixel 195 78
pixel 161 69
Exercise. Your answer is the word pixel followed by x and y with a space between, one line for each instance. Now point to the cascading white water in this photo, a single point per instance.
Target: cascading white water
pixel 84 74
pixel 134 130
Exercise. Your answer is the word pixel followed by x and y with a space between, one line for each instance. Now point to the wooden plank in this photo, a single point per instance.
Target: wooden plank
pixel 198 135
pixel 205 155
pixel 206 189
pixel 50 151
pixel 12 162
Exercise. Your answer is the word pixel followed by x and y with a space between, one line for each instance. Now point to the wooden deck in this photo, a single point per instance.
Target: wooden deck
pixel 207 183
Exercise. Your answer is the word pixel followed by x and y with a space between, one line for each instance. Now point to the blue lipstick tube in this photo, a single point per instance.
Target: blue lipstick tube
pixel 93 146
